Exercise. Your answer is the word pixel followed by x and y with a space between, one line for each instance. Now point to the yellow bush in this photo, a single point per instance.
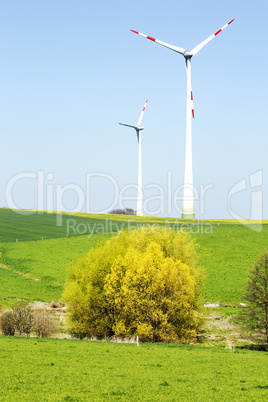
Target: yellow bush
pixel 141 282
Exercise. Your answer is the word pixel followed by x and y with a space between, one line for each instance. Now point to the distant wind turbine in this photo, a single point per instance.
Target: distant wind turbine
pixel 188 190
pixel 138 129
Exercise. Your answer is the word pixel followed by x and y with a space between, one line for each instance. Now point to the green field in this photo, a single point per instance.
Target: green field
pixel 32 225
pixel 34 256
pixel 226 256
pixel 35 269
pixel 62 370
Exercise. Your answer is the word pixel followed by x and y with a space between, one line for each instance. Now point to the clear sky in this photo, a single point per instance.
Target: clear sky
pixel 70 71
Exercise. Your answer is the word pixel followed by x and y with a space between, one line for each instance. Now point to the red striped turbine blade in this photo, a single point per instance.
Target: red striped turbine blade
pixel 175 48
pixel 216 33
pixel 196 49
pixel 140 119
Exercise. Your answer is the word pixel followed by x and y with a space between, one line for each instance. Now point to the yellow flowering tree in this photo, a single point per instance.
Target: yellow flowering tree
pixel 142 282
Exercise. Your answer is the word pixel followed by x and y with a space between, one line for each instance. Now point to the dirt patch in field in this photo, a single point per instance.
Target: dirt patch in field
pixel 38 305
pixel 218 329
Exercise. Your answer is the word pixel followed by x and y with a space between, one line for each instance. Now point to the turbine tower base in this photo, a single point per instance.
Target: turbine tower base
pixel 188 215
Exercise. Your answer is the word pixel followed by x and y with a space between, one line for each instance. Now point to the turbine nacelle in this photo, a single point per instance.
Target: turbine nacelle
pixel 187 55
pixel 137 128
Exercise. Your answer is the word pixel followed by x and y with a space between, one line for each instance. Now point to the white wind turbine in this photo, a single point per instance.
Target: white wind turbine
pixel 188 190
pixel 138 129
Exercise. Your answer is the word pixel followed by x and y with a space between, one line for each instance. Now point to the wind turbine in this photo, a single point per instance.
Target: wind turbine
pixel 188 190
pixel 139 129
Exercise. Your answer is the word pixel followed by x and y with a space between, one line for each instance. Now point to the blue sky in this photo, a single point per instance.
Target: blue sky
pixel 70 71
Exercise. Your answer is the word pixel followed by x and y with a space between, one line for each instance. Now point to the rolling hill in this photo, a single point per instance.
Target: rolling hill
pixel 35 269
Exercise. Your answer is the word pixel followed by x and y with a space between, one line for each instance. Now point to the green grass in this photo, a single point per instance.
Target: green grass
pixel 226 256
pixel 33 225
pixel 26 225
pixel 36 270
pixel 16 288
pixel 61 370
pixel 22 225
pixel 226 252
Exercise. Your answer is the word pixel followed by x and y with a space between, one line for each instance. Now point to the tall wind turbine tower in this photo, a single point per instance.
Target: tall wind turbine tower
pixel 188 210
pixel 139 129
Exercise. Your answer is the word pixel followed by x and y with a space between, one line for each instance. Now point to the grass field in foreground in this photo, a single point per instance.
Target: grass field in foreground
pixel 61 370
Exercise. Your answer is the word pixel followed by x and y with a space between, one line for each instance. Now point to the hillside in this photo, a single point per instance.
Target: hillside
pixel 35 269
pixel 24 225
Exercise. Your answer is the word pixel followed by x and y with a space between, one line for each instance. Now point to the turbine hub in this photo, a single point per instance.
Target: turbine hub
pixel 187 55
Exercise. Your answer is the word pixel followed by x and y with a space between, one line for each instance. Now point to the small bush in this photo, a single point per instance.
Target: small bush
pixel 17 321
pixel 44 325
pixel 54 304
pixel 23 319
pixel 7 323
pixel 126 211
pixel 257 295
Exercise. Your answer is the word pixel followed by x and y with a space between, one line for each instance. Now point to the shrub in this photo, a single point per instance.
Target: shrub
pixel 44 325
pixel 23 319
pixel 126 211
pixel 152 295
pixel 54 304
pixel 17 321
pixel 257 294
pixel 141 282
pixel 7 323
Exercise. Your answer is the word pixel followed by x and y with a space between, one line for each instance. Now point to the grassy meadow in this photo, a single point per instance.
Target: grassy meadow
pixel 72 370
pixel 226 256
pixel 34 256
pixel 25 225
pixel 35 269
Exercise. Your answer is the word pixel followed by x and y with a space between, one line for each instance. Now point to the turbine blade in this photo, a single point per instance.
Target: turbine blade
pixel 196 49
pixel 175 48
pixel 127 125
pixel 142 113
